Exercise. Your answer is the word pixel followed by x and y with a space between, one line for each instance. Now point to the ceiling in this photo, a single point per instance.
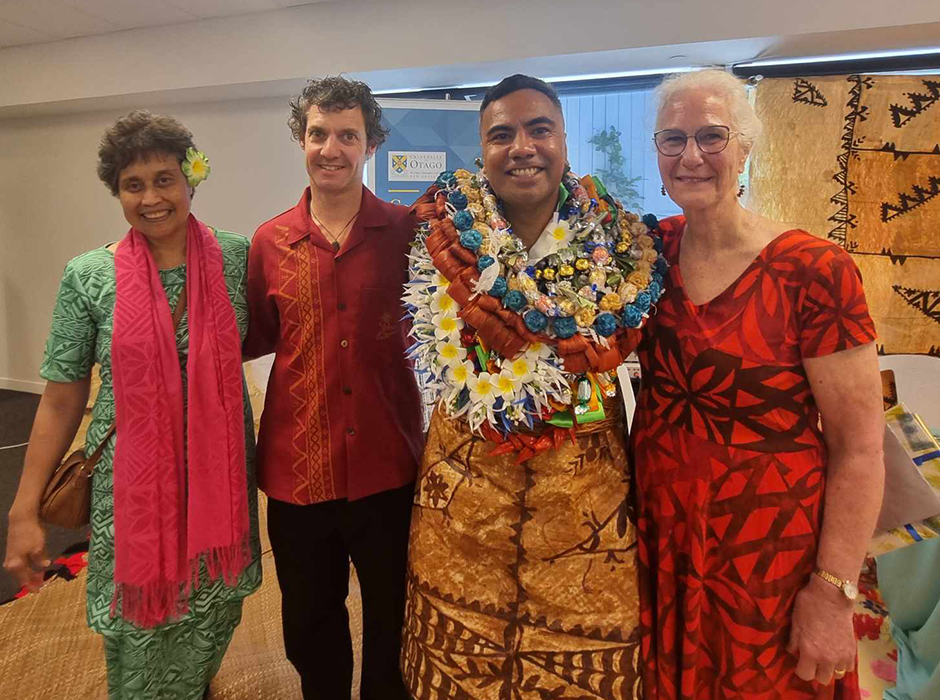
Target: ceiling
pixel 397 45
pixel 36 21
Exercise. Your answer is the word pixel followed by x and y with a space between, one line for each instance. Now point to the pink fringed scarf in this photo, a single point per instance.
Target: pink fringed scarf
pixel 175 506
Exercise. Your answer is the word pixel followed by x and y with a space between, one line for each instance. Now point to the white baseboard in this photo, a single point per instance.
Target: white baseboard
pixel 20 385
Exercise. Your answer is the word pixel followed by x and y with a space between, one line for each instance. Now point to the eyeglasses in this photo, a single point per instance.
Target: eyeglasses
pixel 710 139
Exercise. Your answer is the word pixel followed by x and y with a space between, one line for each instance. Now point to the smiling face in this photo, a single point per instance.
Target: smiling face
pixel 155 196
pixel 524 150
pixel 335 148
pixel 693 179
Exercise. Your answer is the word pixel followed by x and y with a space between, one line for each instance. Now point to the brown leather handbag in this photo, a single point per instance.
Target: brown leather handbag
pixel 66 502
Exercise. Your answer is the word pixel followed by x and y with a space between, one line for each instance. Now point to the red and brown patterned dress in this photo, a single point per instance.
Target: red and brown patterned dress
pixel 731 469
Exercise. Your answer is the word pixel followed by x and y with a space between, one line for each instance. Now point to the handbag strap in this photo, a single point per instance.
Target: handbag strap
pixel 96 455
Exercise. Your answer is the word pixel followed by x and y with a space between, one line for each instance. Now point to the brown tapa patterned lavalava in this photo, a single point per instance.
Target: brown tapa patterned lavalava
pixel 522 578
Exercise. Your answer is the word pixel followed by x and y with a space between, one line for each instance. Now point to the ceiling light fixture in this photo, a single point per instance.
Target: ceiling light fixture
pixel 860 56
pixel 549 79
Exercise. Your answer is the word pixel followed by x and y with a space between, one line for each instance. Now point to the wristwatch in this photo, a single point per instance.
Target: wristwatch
pixel 848 588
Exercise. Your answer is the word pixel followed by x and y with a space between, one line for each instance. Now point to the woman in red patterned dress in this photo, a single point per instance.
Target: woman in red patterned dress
pixel 753 522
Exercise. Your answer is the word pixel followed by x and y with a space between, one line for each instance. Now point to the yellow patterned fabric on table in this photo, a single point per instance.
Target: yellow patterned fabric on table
pixel 925 452
pixel 856 159
pixel 522 578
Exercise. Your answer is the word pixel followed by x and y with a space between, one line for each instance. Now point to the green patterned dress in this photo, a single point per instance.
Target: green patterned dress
pixel 175 661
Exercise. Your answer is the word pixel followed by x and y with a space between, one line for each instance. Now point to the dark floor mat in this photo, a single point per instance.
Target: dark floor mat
pixel 66 566
pixel 17 410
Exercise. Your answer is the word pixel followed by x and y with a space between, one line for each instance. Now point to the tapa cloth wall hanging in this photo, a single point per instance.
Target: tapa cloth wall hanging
pixel 856 159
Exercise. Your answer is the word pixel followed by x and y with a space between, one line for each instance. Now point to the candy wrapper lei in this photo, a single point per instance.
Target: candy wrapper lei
pixel 550 325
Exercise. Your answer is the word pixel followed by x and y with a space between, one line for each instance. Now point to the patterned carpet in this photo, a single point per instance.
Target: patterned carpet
pixel 49 652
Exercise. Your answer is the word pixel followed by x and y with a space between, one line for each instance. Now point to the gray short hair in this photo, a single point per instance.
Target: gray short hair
pixel 725 87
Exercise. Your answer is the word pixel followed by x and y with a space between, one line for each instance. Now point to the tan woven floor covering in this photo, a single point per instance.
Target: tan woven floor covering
pixel 47 651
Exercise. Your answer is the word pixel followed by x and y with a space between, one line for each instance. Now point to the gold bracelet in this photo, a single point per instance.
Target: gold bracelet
pixel 849 588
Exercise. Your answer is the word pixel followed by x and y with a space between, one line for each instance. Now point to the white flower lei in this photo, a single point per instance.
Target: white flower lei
pixel 535 377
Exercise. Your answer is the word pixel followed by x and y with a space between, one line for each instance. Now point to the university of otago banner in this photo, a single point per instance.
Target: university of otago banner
pixel 425 137
pixel 415 166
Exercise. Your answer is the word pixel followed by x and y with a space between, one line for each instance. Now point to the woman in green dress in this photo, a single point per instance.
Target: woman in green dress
pixel 174 530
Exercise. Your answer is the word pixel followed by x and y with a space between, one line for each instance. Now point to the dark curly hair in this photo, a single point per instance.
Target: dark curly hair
pixel 137 136
pixel 333 94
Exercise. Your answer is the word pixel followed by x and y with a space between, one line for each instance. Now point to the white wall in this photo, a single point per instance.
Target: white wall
pixel 53 207
pixel 56 99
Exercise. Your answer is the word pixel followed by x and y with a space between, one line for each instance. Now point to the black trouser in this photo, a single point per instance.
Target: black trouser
pixel 312 546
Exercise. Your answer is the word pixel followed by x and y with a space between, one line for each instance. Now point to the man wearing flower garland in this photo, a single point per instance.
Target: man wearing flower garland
pixel 528 290
pixel 341 430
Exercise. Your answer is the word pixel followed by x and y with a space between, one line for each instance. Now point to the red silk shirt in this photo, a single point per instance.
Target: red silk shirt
pixel 342 414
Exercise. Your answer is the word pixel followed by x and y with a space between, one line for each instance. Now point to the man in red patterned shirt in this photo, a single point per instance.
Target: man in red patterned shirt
pixel 341 431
